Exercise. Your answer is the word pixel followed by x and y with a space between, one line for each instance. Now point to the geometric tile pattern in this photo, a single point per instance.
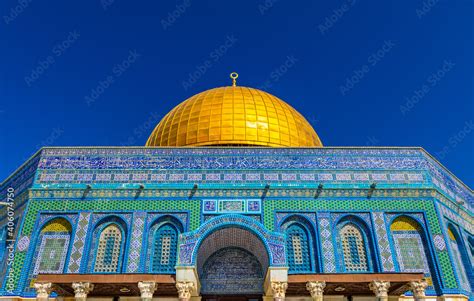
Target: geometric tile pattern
pixel 457 257
pixel 189 241
pixel 79 242
pixel 23 243
pixel 364 216
pixel 243 273
pixel 136 242
pixel 280 216
pixel 463 222
pixel 439 242
pixel 50 249
pixel 325 230
pixel 52 254
pixel 181 217
pixel 242 206
pixel 83 160
pixel 383 242
pixel 410 252
pixel 292 171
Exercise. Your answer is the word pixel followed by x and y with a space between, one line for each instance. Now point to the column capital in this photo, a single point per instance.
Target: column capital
pixel 147 289
pixel 43 289
pixel 316 288
pixel 418 288
pixel 185 289
pixel 380 288
pixel 279 289
pixel 81 290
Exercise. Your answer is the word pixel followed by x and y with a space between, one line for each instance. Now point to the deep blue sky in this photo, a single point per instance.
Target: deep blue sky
pixel 256 39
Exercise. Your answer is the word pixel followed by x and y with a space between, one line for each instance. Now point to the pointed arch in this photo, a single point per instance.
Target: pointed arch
pixel 163 245
pixel 106 254
pixel 299 244
pixel 470 243
pixel 411 247
pixel 52 247
pixel 355 246
pixel 460 258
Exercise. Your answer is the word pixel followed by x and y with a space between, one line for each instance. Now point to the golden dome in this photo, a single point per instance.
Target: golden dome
pixel 234 116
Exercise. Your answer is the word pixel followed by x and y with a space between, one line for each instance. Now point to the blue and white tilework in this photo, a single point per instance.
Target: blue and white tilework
pixel 383 242
pixel 136 242
pixel 79 242
pixel 325 230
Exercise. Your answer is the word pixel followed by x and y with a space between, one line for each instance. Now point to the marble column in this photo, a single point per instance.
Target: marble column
pixel 43 289
pixel 316 289
pixel 147 289
pixel 418 289
pixel 81 290
pixel 279 290
pixel 185 289
pixel 380 289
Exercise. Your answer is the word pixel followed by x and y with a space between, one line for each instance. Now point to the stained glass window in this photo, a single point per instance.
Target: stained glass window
pixel 353 249
pixel 164 246
pixel 298 249
pixel 109 250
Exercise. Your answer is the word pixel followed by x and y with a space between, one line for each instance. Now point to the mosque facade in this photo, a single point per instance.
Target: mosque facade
pixel 234 197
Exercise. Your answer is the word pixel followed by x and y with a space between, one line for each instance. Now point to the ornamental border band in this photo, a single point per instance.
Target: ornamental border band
pixel 234 197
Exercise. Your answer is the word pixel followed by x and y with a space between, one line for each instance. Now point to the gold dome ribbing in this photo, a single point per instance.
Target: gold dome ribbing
pixel 234 116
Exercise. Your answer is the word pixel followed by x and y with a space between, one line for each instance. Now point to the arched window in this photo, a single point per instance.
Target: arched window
pixel 411 249
pixel 298 249
pixel 460 261
pixel 52 248
pixel 409 246
pixel 354 249
pixel 165 241
pixel 109 249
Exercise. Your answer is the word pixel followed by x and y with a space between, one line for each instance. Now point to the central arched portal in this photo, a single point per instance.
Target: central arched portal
pixel 232 261
pixel 230 270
